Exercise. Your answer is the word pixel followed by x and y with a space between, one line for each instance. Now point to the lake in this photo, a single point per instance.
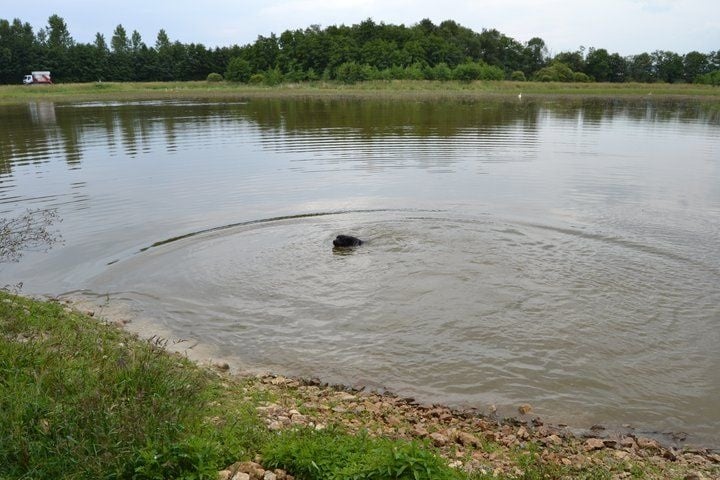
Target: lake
pixel 560 253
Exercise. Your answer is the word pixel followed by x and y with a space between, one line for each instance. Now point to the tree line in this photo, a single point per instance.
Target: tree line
pixel 365 51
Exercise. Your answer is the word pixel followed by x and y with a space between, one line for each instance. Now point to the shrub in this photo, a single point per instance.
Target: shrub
pixel 517 76
pixel 491 72
pixel 273 77
pixel 581 77
pixel 712 78
pixel 257 79
pixel 467 72
pixel 557 72
pixel 441 71
pixel 214 77
pixel 350 72
pixel 295 76
pixel 238 70
pixel 414 72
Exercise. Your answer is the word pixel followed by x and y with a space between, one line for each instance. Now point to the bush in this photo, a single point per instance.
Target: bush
pixel 238 70
pixel 256 79
pixel 517 76
pixel 491 72
pixel 580 77
pixel 441 71
pixel 350 72
pixel 273 77
pixel 295 76
pixel 469 71
pixel 414 72
pixel 214 77
pixel 712 78
pixel 557 72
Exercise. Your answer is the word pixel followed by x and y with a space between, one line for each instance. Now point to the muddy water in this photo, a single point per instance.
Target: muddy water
pixel 561 254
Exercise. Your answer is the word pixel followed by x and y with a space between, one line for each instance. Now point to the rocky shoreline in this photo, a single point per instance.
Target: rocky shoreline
pixel 474 442
pixel 468 440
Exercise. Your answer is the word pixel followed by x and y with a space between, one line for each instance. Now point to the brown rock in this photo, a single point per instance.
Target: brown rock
pixel 439 439
pixel 694 476
pixel 241 476
pixel 468 439
pixel 525 408
pixel 609 443
pixel 648 443
pixel 594 444
pixel 552 440
pixel 621 455
pixel 627 442
pixel 522 433
pixel 254 470
pixel 420 431
pixel 224 475
pixel 669 455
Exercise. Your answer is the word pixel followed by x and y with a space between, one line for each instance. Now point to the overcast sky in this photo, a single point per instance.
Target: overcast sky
pixel 624 26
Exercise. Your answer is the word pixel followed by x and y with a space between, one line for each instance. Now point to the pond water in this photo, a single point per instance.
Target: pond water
pixel 561 253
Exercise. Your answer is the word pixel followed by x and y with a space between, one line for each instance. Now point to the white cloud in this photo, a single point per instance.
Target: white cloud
pixel 624 26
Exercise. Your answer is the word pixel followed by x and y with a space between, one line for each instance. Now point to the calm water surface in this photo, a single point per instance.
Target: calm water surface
pixel 564 254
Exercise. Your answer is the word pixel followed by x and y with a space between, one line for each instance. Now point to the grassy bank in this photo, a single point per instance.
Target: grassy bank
pixel 391 89
pixel 83 399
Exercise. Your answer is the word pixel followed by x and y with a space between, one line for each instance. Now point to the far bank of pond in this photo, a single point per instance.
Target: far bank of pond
pixel 395 89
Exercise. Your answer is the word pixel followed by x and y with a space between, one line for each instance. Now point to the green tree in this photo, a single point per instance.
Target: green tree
pixel 534 55
pixel 121 66
pixel 668 65
pixel 598 64
pixel 58 34
pixel 694 65
pixel 20 52
pixel 575 60
pixel 119 41
pixel 641 68
pixel 136 42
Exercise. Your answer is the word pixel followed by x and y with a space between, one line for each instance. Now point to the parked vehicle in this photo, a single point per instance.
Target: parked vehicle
pixel 37 78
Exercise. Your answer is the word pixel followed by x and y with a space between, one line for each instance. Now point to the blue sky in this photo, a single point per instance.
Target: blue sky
pixel 623 26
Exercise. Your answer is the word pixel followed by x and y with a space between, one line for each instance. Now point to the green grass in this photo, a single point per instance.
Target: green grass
pixel 401 89
pixel 333 455
pixel 80 399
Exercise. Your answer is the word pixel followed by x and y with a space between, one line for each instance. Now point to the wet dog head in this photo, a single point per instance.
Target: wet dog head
pixel 346 241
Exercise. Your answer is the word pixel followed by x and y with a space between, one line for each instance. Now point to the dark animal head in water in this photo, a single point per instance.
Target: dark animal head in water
pixel 346 241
